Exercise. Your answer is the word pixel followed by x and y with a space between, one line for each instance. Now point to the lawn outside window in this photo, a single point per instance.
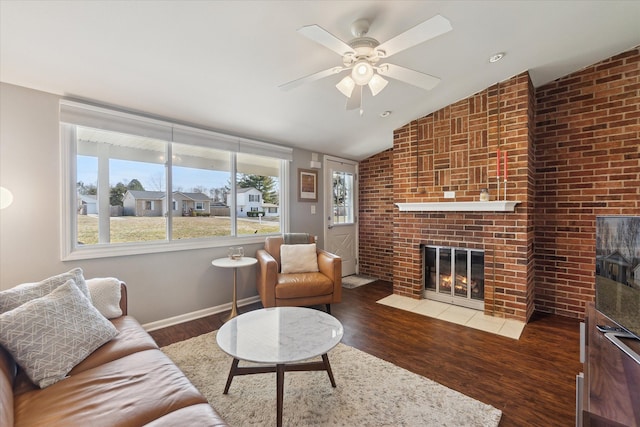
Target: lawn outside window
pixel 135 185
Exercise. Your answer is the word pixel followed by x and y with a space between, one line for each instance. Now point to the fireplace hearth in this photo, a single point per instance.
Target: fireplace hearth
pixel 454 275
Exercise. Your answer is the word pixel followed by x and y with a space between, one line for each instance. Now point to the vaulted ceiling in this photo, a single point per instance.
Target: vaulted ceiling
pixel 218 64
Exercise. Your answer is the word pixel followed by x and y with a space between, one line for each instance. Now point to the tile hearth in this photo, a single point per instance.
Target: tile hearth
pixel 459 315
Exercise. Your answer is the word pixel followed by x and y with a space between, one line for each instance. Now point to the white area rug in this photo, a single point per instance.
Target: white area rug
pixel 369 392
pixel 354 281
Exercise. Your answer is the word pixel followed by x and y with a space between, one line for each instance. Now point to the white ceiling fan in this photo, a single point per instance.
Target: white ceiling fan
pixel 363 54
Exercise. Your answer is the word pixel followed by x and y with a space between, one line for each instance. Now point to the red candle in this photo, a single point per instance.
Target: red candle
pixel 505 165
pixel 498 163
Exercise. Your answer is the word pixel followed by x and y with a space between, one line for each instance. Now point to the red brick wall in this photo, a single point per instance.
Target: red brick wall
pixel 376 211
pixel 587 146
pixel 581 159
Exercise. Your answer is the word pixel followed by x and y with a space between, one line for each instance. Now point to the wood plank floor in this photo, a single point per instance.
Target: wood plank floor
pixel 532 380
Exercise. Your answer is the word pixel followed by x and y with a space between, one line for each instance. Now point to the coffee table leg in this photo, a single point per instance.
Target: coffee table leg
pixel 232 372
pixel 327 366
pixel 279 392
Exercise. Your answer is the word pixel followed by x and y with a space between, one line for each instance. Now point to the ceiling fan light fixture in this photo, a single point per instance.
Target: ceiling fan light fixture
pixel 362 72
pixel 346 86
pixel 376 84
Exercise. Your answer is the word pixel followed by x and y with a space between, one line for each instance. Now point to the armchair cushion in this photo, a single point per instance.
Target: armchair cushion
pixel 299 258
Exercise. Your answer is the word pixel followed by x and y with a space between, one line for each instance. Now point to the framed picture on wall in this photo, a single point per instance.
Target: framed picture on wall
pixel 307 185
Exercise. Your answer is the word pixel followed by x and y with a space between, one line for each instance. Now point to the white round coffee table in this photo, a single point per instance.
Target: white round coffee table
pixel 280 337
pixel 245 261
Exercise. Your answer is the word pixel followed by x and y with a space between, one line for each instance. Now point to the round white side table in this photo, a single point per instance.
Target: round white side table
pixel 227 262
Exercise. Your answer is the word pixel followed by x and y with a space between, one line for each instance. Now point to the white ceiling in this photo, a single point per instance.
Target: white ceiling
pixel 218 64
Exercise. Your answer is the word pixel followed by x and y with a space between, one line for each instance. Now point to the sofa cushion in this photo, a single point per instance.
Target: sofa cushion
pixel 201 415
pixel 105 296
pixel 49 335
pixel 131 391
pixel 131 338
pixel 18 295
pixel 298 258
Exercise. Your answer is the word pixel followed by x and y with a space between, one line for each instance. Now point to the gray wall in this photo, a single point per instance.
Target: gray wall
pixel 301 219
pixel 160 285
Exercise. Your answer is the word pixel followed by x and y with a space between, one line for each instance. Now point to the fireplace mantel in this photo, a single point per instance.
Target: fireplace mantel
pixel 494 206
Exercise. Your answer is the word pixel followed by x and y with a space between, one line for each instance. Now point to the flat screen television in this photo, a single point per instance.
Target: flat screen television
pixel 618 270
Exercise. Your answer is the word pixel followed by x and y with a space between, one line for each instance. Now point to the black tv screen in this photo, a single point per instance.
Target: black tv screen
pixel 618 270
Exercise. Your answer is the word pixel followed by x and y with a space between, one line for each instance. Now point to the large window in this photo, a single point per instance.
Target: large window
pixel 137 185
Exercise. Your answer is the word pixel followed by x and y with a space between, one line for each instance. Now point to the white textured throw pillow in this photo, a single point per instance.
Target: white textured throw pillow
pixel 18 295
pixel 50 335
pixel 298 258
pixel 105 296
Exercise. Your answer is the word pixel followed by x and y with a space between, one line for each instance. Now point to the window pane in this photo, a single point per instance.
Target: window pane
pixel 257 194
pixel 200 188
pixel 118 168
pixel 87 198
pixel 343 198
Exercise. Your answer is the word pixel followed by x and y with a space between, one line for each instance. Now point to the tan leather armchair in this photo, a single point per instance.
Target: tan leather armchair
pixel 297 289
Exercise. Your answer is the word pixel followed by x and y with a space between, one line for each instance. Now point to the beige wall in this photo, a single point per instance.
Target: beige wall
pixel 160 285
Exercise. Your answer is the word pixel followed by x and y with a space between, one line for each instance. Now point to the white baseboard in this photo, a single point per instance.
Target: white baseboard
pixel 175 320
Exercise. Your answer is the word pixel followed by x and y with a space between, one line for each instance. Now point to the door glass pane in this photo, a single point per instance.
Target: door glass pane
pixel 343 198
pixel 461 273
pixel 430 268
pixel 445 271
pixel 477 275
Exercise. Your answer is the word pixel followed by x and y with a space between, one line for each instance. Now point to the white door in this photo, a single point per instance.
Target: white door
pixel 341 210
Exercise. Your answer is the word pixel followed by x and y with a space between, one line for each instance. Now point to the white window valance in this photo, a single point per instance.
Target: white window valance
pixel 92 116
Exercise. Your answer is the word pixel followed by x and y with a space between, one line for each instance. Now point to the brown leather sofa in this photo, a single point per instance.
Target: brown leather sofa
pixel 125 383
pixel 297 289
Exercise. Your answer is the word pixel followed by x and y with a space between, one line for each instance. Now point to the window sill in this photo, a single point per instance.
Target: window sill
pixel 127 249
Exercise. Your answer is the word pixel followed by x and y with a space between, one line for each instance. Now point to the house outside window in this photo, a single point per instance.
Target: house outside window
pixel 127 159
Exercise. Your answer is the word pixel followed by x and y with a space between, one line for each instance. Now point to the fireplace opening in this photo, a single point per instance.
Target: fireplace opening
pixel 454 275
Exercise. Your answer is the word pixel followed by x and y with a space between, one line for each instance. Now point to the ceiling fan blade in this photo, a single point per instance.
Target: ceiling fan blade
pixel 312 77
pixel 355 101
pixel 325 38
pixel 415 78
pixel 427 30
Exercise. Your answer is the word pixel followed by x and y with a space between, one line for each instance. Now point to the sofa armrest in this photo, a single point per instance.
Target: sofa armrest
pixel 123 298
pixel 8 372
pixel 267 277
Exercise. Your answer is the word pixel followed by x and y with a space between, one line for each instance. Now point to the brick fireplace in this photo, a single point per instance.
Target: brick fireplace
pixel 454 150
pixel 587 163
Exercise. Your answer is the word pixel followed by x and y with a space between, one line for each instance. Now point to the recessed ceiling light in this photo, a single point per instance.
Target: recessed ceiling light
pixel 385 113
pixel 497 57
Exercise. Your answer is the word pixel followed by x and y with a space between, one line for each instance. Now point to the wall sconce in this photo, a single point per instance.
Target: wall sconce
pixel 6 198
